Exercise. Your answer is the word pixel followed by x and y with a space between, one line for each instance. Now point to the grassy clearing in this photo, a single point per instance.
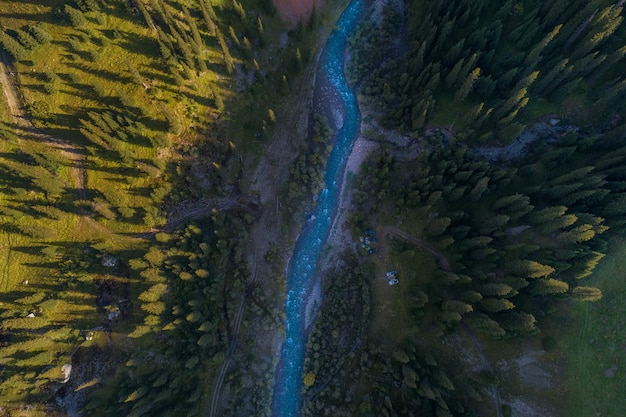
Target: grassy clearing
pixel 595 342
pixel 585 343
pixel 392 303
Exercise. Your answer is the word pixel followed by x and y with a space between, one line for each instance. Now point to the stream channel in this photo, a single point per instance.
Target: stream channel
pixel 287 400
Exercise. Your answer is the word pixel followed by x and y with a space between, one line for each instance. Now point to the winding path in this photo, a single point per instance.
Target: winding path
pixel 203 207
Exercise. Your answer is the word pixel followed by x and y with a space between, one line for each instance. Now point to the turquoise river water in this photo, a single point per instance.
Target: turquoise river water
pixel 287 400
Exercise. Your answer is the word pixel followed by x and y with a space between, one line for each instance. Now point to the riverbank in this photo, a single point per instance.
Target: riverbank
pixel 303 266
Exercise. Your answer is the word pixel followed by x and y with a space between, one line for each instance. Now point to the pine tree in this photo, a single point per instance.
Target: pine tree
pixel 456 306
pixel 602 27
pixel 75 16
pixel 546 215
pixel 40 33
pixel 483 323
pixel 529 269
pixel 239 10
pixel 228 59
pixel 467 85
pixel 467 68
pixel 492 289
pixel 195 33
pixel 494 305
pixel 581 233
pixel 485 86
pixel 12 46
pixel 518 322
pixel 209 15
pixel 586 294
pixel 549 286
pixel 472 114
pixel 555 71
pixel 507 105
pixel 452 76
pixel 233 36
pixel 533 55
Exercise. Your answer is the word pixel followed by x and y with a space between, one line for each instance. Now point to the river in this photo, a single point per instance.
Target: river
pixel 302 267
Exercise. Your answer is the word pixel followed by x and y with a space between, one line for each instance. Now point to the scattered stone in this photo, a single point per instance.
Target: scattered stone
pixel 108 261
pixel 67 370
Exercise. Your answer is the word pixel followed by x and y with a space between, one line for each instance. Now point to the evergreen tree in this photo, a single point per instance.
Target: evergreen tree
pixel 586 294
pixel 12 46
pixel 451 78
pixel 518 322
pixel 467 85
pixel 494 305
pixel 75 16
pixel 549 286
pixel 529 269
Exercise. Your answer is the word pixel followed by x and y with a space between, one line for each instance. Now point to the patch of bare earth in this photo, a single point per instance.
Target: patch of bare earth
pixel 532 377
pixel 294 11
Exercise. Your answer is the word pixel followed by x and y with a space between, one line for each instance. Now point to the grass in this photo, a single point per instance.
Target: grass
pixel 449 111
pixel 94 72
pixel 42 225
pixel 595 342
pixel 391 303
pixel 589 340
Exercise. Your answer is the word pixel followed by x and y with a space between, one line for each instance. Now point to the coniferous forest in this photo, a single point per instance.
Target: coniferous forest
pixel 158 159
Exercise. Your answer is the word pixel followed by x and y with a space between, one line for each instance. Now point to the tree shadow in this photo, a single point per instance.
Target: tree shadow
pixel 30 250
pixel 107 75
pixel 140 45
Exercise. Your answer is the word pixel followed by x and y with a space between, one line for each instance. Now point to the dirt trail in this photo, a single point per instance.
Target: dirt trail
pixel 232 343
pixel 185 212
pixel 422 244
pixel 76 163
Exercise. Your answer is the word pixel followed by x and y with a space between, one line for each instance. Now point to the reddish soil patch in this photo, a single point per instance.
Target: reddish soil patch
pixel 296 10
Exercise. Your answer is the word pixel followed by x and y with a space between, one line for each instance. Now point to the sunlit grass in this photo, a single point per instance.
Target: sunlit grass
pixel 595 343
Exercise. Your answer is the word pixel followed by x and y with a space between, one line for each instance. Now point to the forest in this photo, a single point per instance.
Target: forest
pixel 123 133
pixel 521 235
pixel 157 159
